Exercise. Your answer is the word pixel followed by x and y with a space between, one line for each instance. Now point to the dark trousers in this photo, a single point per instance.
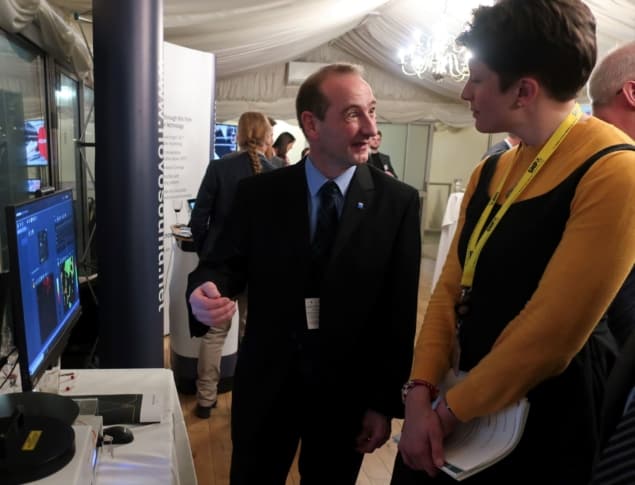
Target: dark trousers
pixel 301 413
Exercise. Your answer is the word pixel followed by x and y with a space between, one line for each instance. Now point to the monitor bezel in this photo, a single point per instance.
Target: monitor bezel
pixel 30 380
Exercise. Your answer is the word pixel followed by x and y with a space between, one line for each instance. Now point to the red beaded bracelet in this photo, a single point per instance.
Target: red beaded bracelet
pixel 434 390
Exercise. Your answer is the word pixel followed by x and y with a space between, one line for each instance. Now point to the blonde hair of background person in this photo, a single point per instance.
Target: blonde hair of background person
pixel 612 88
pixel 254 135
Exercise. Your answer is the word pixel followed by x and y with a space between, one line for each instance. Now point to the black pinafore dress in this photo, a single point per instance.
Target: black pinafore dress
pixel 562 431
pixel 561 434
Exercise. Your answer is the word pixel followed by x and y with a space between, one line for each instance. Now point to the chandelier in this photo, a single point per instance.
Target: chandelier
pixel 438 55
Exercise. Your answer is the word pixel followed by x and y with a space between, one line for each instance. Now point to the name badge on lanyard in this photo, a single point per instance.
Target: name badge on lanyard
pixel 312 311
pixel 482 232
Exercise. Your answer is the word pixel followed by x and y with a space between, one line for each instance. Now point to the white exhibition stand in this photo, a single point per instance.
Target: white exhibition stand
pixel 448 228
pixel 183 346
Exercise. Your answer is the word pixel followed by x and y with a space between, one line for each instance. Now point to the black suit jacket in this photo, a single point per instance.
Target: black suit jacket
pixel 215 196
pixel 382 162
pixel 618 386
pixel 368 301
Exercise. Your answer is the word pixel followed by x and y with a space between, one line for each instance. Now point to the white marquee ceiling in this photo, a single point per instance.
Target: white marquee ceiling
pixel 251 36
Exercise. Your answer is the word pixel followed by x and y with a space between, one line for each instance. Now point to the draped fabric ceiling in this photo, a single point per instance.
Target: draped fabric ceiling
pixel 254 39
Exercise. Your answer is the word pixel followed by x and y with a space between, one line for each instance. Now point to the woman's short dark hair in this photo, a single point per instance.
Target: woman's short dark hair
pixel 552 40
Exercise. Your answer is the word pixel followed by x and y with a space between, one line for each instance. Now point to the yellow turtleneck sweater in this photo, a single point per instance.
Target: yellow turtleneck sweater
pixel 596 253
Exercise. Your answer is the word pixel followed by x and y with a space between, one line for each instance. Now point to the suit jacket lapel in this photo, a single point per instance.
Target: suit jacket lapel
pixel 358 201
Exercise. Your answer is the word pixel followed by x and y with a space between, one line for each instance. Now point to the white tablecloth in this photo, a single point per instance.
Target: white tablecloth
pixel 160 453
pixel 448 228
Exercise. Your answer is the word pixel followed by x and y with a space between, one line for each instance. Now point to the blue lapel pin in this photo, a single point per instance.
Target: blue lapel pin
pixel 360 205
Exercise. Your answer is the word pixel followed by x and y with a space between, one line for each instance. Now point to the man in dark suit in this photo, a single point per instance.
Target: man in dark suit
pixel 332 278
pixel 611 89
pixel 505 144
pixel 377 159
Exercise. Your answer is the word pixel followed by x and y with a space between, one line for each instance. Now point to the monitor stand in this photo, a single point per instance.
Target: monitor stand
pixel 36 437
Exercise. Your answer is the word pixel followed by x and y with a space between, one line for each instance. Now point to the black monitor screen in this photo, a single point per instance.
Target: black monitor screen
pixel 224 140
pixel 43 267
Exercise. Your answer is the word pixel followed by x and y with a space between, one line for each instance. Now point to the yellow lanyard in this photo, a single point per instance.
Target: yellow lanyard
pixel 476 242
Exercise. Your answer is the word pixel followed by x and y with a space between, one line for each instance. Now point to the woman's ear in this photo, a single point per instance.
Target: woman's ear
pixel 526 91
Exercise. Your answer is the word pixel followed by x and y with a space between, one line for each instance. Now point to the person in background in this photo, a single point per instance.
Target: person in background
pixel 611 90
pixel 208 218
pixel 270 152
pixel 546 236
pixel 281 147
pixel 380 160
pixel 305 152
pixel 505 144
pixel 330 335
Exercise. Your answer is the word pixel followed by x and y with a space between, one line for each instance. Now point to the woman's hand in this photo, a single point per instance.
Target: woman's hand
pixel 447 417
pixel 421 443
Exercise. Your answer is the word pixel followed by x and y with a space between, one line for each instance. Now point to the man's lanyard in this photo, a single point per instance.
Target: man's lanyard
pixel 476 242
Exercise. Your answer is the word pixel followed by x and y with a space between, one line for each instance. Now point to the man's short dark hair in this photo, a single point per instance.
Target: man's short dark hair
pixel 552 40
pixel 310 96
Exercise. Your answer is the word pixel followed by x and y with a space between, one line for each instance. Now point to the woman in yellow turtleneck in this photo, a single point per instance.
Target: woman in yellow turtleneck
pixel 525 284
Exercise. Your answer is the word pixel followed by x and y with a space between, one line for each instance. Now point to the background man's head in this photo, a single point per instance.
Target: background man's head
pixel 612 88
pixel 375 142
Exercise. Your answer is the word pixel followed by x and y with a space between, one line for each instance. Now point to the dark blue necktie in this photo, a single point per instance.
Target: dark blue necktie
pixel 616 465
pixel 325 232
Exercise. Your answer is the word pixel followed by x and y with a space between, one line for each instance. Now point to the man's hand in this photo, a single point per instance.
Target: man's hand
pixel 375 432
pixel 209 307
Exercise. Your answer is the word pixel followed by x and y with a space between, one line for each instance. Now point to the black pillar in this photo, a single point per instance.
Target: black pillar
pixel 128 37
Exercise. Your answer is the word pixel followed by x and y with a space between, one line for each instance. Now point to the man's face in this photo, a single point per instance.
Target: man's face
pixel 342 138
pixel 375 142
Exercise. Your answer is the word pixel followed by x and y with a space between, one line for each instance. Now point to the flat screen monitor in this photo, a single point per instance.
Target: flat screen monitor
pixel 45 286
pixel 36 142
pixel 224 140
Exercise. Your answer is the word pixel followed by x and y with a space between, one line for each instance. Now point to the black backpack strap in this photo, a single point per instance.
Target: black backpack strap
pixel 610 149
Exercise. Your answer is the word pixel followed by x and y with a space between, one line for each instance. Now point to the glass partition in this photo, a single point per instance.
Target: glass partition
pixel 24 145
pixel 68 161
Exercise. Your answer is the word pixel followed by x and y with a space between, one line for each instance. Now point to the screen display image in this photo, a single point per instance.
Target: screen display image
pixel 224 140
pixel 43 267
pixel 46 311
pixel 36 142
pixel 33 185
